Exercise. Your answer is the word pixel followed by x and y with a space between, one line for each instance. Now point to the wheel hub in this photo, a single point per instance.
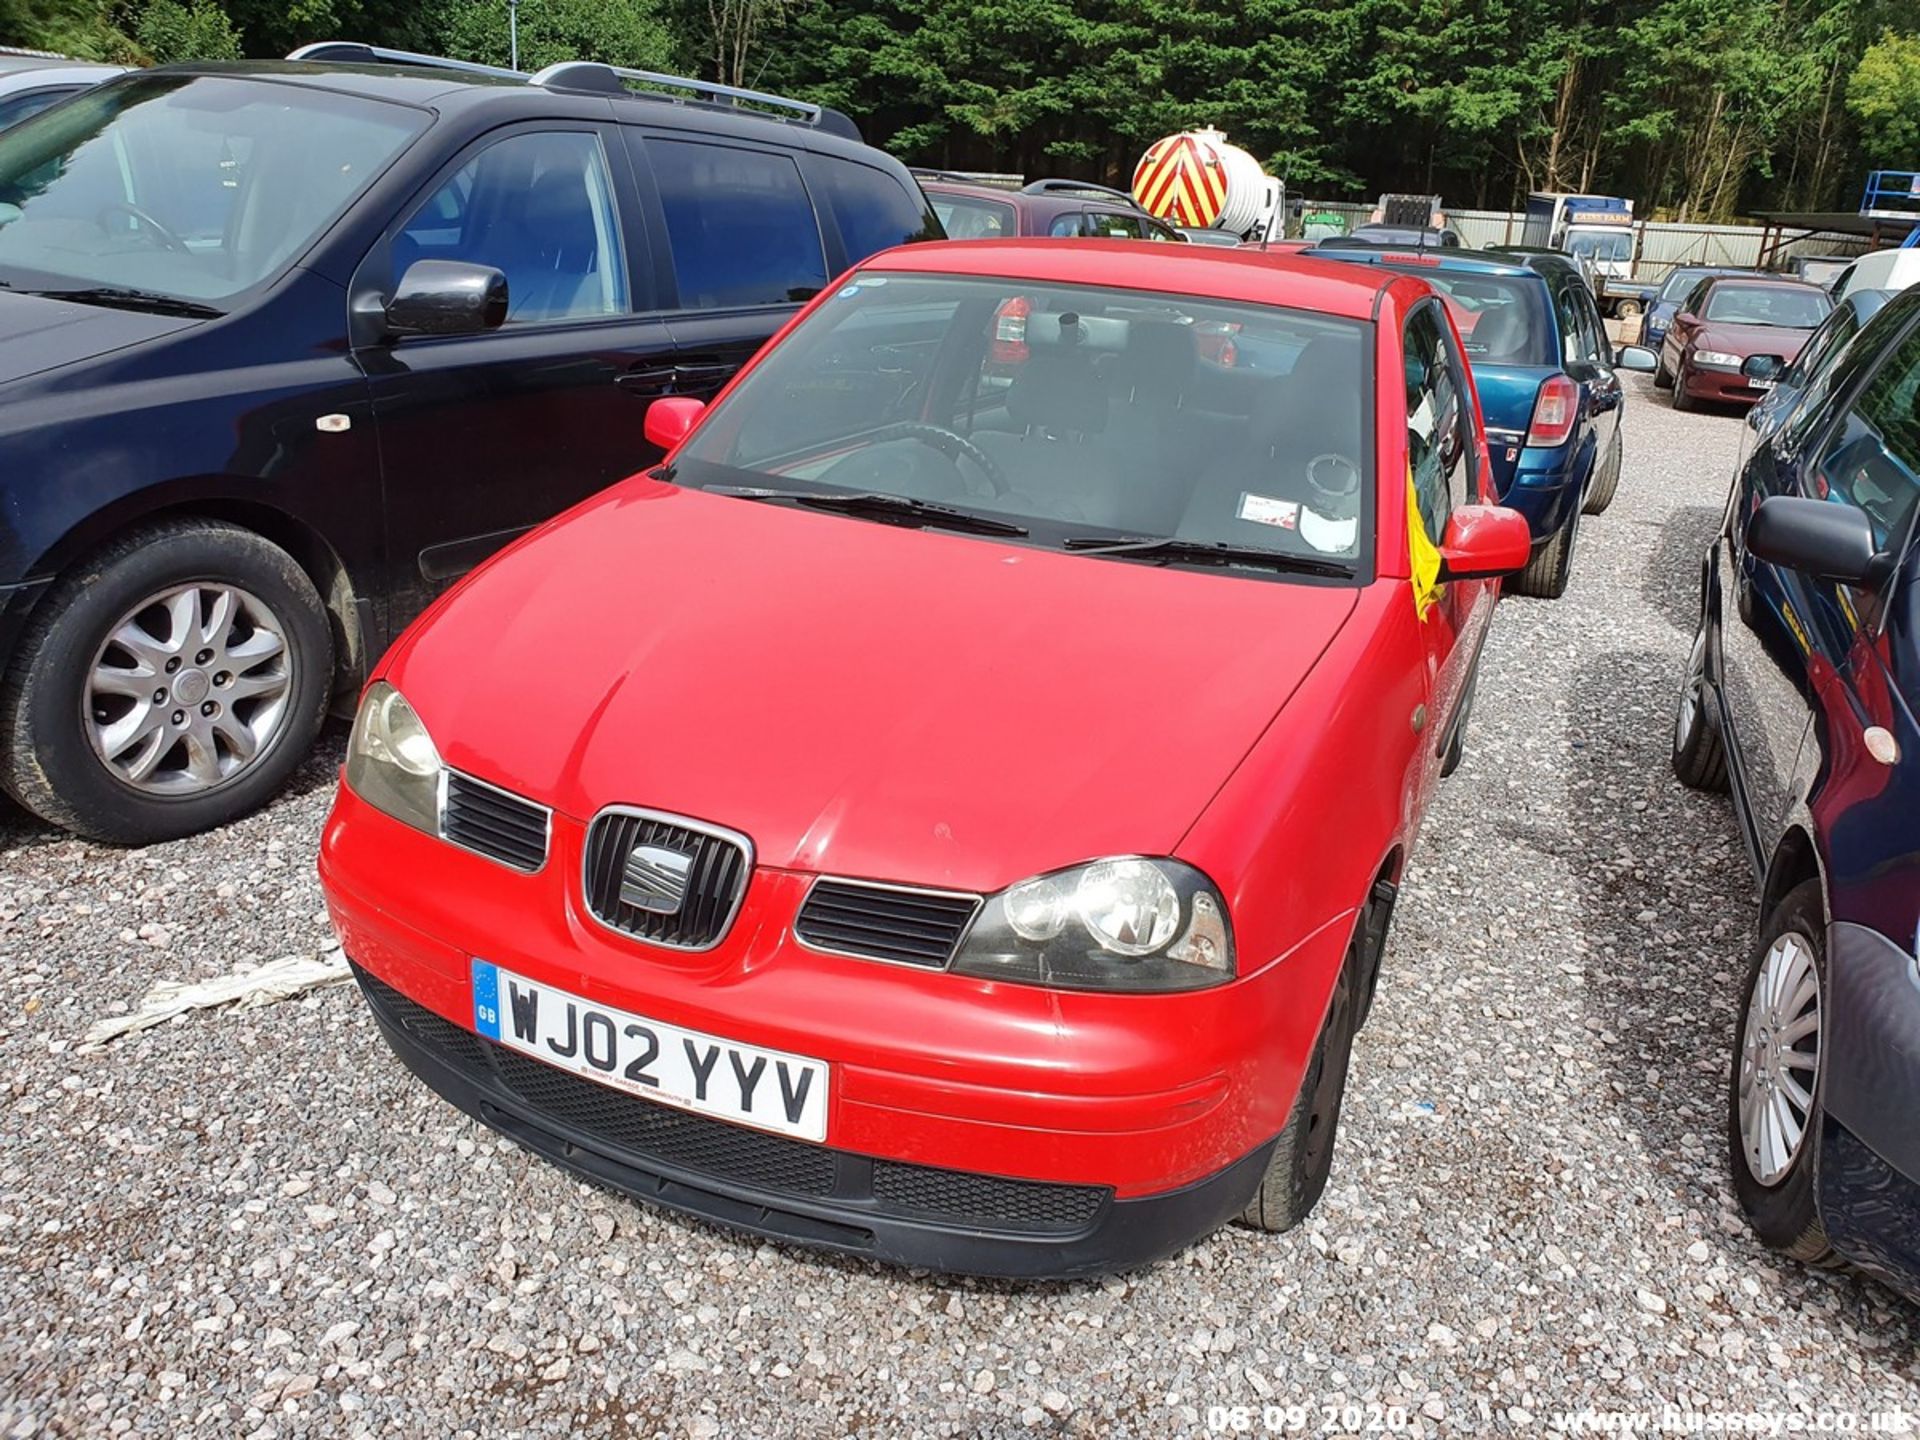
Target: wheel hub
pixel 190 687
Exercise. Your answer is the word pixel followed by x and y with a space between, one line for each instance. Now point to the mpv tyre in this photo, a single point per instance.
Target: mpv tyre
pixel 1699 750
pixel 1303 1156
pixel 1545 577
pixel 1774 1091
pixel 1607 481
pixel 168 683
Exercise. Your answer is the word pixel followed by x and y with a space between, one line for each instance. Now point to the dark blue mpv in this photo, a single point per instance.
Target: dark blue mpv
pixel 1544 368
pixel 1800 698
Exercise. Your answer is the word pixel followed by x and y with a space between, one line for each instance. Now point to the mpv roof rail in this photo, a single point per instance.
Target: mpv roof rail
pixel 353 52
pixel 602 79
pixel 1086 187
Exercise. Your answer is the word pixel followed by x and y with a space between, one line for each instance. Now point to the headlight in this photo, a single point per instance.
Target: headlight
pixel 1124 924
pixel 1718 359
pixel 391 762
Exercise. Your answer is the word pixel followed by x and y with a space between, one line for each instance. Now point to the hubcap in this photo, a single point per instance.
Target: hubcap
pixel 188 689
pixel 1779 1058
pixel 1689 714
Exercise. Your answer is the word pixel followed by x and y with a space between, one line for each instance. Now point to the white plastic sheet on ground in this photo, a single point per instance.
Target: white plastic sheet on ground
pixel 243 989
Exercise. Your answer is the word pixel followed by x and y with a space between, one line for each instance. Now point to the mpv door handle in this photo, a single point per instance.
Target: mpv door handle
pixel 655 381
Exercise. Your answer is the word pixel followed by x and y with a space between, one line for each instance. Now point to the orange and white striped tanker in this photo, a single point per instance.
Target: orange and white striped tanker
pixel 1197 178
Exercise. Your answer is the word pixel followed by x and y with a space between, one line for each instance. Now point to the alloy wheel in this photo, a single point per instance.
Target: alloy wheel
pixel 1692 693
pixel 1780 1058
pixel 189 689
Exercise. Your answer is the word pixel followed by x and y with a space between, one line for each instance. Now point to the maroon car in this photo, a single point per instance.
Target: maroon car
pixel 1727 318
pixel 972 211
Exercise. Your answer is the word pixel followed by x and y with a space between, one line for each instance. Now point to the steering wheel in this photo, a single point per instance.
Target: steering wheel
pixel 954 447
pixel 143 221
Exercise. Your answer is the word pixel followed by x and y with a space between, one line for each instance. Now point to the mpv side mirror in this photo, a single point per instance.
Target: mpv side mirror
pixel 671 419
pixel 1635 357
pixel 447 297
pixel 1822 538
pixel 1763 367
pixel 1483 542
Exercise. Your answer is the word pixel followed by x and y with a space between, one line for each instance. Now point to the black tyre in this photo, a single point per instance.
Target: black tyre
pixel 1681 399
pixel 1774 1090
pixel 1699 749
pixel 168 683
pixel 1303 1156
pixel 1662 377
pixel 1600 494
pixel 1545 577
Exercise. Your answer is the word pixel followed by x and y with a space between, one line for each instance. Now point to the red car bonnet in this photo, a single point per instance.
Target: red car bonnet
pixel 859 698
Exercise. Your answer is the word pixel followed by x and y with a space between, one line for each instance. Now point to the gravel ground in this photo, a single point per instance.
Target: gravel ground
pixel 255 1223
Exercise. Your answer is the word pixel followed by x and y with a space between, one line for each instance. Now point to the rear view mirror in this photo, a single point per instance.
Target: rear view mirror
pixel 447 297
pixel 1763 367
pixel 1635 357
pixel 1822 538
pixel 1483 542
pixel 671 419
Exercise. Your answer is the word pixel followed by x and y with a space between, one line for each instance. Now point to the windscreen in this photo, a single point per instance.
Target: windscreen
pixel 1674 289
pixel 196 187
pixel 1601 245
pixel 1787 306
pixel 1083 415
pixel 966 218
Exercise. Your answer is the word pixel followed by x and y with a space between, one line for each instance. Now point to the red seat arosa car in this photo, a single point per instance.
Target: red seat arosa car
pixel 951 811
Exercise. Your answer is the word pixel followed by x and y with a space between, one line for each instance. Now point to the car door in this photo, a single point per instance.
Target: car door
pixel 484 436
pixel 1772 618
pixel 742 246
pixel 1443 454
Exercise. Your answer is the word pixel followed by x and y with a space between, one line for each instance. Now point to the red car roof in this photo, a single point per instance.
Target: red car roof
pixel 1269 277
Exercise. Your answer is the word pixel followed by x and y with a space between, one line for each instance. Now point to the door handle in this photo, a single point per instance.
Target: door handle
pixel 657 380
pixel 701 377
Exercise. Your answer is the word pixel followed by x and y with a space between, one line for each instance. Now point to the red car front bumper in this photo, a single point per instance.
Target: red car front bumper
pixel 1721 387
pixel 972 1126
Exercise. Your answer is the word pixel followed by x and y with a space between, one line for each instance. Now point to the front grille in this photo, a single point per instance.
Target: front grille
pixel 989 1200
pixel 639 1129
pixel 636 892
pixel 497 824
pixel 916 927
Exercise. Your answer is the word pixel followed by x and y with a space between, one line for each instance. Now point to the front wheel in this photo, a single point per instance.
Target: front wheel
pixel 167 684
pixel 1681 399
pixel 1303 1156
pixel 1774 1091
pixel 1662 377
pixel 1699 750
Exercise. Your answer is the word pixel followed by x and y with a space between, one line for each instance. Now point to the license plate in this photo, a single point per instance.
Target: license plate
pixel 1763 384
pixel 767 1089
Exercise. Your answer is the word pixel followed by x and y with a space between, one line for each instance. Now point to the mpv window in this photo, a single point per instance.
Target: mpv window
pixel 539 208
pixel 196 187
pixel 740 223
pixel 1873 458
pixel 1793 309
pixel 1080 413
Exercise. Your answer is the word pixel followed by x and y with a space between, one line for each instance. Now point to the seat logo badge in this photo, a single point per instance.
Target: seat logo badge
pixel 655 879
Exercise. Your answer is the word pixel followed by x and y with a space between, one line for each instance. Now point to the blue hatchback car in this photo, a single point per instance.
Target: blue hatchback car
pixel 1544 369
pixel 1800 697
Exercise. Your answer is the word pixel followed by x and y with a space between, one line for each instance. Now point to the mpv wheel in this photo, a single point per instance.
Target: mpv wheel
pixel 1699 752
pixel 1773 1102
pixel 169 683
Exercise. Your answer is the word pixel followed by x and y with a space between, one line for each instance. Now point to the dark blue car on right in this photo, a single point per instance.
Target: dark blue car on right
pixel 1800 697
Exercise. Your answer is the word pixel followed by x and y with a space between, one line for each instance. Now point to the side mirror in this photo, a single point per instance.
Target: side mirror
pixel 1686 317
pixel 1635 357
pixel 1822 538
pixel 447 297
pixel 1484 542
pixel 671 419
pixel 1763 367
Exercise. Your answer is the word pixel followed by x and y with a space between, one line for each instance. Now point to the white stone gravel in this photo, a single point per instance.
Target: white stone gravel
pixel 256 1224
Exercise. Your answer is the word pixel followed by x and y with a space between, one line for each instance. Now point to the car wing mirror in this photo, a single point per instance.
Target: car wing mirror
pixel 671 419
pixel 447 297
pixel 1826 539
pixel 1763 367
pixel 1484 542
pixel 1635 357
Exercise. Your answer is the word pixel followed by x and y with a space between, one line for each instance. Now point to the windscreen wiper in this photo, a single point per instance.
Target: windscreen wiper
pixel 880 506
pixel 121 298
pixel 1205 552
